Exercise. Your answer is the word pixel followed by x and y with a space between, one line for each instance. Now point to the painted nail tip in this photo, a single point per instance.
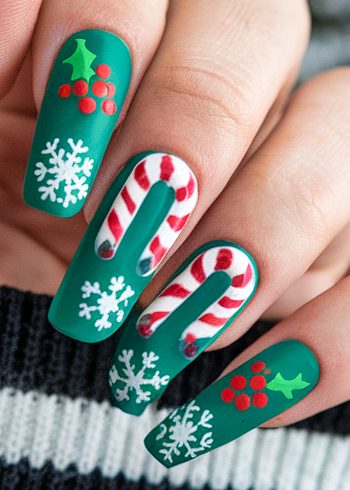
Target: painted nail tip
pixel 129 409
pixel 58 213
pixel 153 451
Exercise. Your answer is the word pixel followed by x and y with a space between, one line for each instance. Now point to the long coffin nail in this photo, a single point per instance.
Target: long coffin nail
pixel 140 218
pixel 213 286
pixel 87 88
pixel 258 390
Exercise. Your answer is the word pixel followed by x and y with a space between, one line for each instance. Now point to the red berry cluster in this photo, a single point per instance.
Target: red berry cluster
pixel 238 383
pixel 100 88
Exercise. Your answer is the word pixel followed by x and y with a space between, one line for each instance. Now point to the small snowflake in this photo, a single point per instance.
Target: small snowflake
pixel 65 174
pixel 107 303
pixel 135 381
pixel 184 434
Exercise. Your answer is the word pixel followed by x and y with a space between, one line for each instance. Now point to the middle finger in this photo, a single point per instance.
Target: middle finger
pixel 204 98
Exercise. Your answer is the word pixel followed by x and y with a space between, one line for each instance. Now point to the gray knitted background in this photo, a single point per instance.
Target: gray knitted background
pixel 330 42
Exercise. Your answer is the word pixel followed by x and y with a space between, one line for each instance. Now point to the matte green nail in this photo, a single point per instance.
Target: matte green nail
pixel 85 93
pixel 258 390
pixel 210 289
pixel 139 219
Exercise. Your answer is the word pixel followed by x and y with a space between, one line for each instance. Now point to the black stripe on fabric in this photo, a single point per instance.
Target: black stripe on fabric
pixel 22 476
pixel 34 356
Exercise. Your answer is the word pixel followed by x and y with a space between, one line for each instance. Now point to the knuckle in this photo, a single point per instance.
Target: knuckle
pixel 302 202
pixel 205 93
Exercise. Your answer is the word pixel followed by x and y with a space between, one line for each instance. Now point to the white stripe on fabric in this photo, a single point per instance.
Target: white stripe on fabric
pixel 94 435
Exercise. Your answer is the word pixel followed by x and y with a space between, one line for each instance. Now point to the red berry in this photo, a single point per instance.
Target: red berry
pixel 257 366
pixel 242 402
pixel 103 71
pixel 260 400
pixel 111 89
pixel 109 107
pixel 80 88
pixel 258 382
pixel 87 105
pixel 64 91
pixel 227 395
pixel 238 382
pixel 99 88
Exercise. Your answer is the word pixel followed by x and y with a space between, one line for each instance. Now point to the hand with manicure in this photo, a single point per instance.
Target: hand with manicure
pixel 223 197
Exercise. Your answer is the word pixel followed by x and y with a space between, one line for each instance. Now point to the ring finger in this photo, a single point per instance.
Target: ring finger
pixel 302 203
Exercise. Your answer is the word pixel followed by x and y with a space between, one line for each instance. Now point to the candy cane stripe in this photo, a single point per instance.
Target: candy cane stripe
pixel 156 167
pixel 224 259
pixel 128 201
pixel 176 290
pixel 176 222
pixel 141 176
pixel 197 270
pixel 230 260
pixel 213 320
pixel 242 280
pixel 114 225
pixel 166 168
pixel 229 303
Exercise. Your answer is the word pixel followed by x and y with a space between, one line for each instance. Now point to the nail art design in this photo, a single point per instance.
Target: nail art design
pixel 107 306
pixel 229 259
pixel 118 254
pixel 137 381
pixel 255 392
pixel 84 96
pixel 189 433
pixel 153 169
pixel 203 298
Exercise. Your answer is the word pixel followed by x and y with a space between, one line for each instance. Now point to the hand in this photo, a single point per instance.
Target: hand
pixel 272 178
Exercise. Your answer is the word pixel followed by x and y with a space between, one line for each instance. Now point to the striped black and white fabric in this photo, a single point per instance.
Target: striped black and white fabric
pixel 58 429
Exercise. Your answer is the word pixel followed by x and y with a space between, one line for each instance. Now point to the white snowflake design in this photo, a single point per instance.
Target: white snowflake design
pixel 108 304
pixel 184 435
pixel 65 174
pixel 136 381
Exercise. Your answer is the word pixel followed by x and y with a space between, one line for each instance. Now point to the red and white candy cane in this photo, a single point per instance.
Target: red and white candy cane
pixel 229 259
pixel 156 167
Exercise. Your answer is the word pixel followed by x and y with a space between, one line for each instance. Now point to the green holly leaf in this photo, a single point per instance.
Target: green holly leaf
pixel 81 61
pixel 287 386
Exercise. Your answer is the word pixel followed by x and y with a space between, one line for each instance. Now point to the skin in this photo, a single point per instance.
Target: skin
pixel 212 84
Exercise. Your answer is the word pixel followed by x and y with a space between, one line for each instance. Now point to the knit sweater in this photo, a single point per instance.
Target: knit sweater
pixel 58 429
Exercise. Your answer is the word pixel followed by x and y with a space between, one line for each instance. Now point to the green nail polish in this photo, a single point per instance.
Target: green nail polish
pixel 210 289
pixel 139 219
pixel 85 93
pixel 258 390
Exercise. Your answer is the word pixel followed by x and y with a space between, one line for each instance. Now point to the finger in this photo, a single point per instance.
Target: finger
pixel 17 20
pixel 205 97
pixel 331 266
pixel 283 224
pixel 95 45
pixel 274 382
pixel 184 99
pixel 288 202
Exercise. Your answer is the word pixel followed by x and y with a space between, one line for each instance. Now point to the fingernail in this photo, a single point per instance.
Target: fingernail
pixel 213 286
pixel 85 93
pixel 140 218
pixel 258 390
